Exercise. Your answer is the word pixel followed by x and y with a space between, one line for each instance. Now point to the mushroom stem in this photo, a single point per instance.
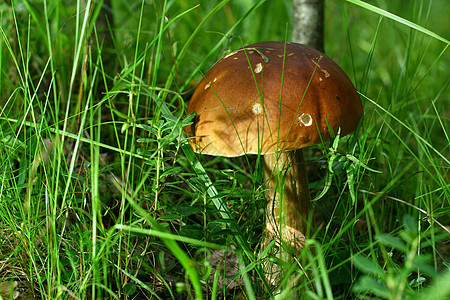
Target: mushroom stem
pixel 288 206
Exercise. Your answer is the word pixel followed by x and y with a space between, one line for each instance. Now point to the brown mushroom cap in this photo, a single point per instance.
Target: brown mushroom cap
pixel 238 108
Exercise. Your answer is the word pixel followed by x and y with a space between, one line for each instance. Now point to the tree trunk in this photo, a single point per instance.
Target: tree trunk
pixel 307 22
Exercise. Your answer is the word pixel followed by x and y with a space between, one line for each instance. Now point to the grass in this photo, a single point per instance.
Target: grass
pixel 100 196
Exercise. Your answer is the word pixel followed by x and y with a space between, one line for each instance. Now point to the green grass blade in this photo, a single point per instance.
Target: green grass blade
pixel 398 19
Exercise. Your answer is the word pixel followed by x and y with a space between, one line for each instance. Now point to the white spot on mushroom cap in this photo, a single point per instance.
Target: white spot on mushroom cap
pixel 257 108
pixel 230 54
pixel 305 119
pixel 326 73
pixel 208 84
pixel 258 68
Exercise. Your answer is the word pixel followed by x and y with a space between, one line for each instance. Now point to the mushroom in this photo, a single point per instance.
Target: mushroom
pixel 272 99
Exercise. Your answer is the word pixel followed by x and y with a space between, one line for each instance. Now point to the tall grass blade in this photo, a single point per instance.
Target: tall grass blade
pixel 398 19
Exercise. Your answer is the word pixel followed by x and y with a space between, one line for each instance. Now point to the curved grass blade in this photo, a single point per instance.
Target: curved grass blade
pixel 398 19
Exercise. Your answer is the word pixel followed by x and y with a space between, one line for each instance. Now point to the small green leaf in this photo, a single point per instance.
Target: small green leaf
pixel 336 139
pixel 420 264
pixel 367 266
pixel 368 284
pixel 351 182
pixel 169 217
pixel 391 241
pixel 125 127
pixel 438 290
pixel 117 112
pixel 244 270
pixel 417 282
pixel 186 211
pixel 192 231
pixel 171 171
pixel 129 289
pixel 181 287
pixel 410 225
pixel 358 162
pixel 266 250
pixel 326 187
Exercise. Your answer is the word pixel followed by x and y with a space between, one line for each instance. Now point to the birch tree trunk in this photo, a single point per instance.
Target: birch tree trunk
pixel 307 22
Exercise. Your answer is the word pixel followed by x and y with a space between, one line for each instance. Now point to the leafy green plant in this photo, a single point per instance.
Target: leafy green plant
pixel 388 278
